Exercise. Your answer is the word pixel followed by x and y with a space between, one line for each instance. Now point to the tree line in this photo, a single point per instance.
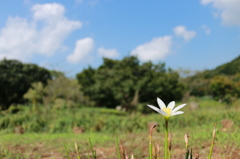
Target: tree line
pixel 125 83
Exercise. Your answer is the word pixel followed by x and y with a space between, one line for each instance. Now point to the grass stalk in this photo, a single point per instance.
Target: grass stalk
pixel 77 150
pixel 87 151
pixel 67 152
pixel 150 147
pixel 212 144
pixel 150 141
pixel 123 154
pixel 187 154
pixel 91 148
pixel 186 142
pixel 190 157
pixel 118 150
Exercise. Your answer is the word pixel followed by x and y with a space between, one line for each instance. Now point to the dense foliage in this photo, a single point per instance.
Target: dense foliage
pixel 126 82
pixel 16 78
pixel 59 92
pixel 222 82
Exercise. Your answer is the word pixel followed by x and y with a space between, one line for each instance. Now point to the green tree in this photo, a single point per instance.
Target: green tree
pixel 16 78
pixel 36 93
pixel 223 88
pixel 64 88
pixel 126 82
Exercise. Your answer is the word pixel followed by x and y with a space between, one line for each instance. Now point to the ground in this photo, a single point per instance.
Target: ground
pixel 133 143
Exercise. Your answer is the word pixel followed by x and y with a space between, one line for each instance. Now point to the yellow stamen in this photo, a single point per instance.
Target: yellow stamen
pixel 168 111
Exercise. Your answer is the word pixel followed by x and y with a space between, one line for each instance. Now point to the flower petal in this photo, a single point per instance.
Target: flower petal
pixel 154 108
pixel 177 113
pixel 160 103
pixel 171 105
pixel 177 108
pixel 162 112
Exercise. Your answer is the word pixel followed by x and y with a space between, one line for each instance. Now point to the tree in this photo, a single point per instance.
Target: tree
pixel 35 93
pixel 126 82
pixel 16 78
pixel 225 88
pixel 60 91
pixel 64 88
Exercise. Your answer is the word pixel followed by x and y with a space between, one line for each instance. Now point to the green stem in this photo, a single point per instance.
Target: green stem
pixel 118 150
pixel 211 149
pixel 150 147
pixel 187 154
pixel 91 147
pixel 212 145
pixel 166 140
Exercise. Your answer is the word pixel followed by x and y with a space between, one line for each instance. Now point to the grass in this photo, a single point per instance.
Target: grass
pixel 47 133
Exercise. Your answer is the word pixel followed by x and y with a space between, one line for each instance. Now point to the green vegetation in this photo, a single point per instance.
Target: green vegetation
pixel 126 83
pixel 221 83
pixel 104 126
pixel 47 109
pixel 15 80
pixel 108 120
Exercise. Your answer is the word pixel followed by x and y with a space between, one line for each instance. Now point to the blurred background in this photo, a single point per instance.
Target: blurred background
pixel 93 65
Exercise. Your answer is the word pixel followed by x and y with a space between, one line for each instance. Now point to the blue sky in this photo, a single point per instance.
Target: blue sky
pixel 69 35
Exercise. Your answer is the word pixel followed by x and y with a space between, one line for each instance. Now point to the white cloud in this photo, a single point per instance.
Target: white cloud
pixel 206 29
pixel 108 53
pixel 43 34
pixel 154 50
pixel 82 49
pixel 228 10
pixel 184 33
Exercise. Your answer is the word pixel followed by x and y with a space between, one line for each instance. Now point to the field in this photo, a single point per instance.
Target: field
pixel 49 132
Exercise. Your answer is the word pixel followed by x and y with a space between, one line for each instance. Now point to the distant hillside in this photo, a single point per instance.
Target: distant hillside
pixel 199 84
pixel 228 69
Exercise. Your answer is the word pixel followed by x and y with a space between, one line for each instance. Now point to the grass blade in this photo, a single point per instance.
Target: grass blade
pixel 212 145
pixel 187 154
pixel 91 147
pixel 77 151
pixel 118 150
pixel 67 152
pixel 191 153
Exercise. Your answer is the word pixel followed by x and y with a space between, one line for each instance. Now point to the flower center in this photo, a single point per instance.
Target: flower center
pixel 168 111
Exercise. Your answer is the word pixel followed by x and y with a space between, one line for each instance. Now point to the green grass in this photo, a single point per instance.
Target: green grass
pixel 47 131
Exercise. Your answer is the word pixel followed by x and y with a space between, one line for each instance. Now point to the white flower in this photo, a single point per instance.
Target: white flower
pixel 167 111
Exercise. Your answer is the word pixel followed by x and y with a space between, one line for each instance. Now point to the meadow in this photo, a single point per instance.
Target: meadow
pixel 49 131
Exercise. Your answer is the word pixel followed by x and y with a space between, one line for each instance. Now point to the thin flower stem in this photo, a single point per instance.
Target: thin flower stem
pixel 166 140
pixel 169 146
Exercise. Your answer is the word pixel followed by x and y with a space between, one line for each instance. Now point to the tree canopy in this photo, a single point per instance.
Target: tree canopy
pixel 126 82
pixel 16 78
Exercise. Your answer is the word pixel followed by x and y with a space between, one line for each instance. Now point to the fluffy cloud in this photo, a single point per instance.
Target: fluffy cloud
pixel 228 10
pixel 43 34
pixel 206 29
pixel 184 33
pixel 108 53
pixel 154 50
pixel 82 49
